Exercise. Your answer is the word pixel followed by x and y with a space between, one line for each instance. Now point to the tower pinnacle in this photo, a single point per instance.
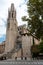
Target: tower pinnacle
pixel 12 12
pixel 12 7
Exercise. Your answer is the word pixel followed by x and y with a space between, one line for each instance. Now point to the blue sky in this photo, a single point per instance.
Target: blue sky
pixel 21 9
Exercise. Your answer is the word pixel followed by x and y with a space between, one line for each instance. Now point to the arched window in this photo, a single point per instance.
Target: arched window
pixel 12 15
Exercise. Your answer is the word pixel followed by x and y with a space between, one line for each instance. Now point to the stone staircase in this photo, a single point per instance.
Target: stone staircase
pixel 9 54
pixel 15 49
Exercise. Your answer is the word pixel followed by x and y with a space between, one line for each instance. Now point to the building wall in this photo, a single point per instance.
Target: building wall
pixel 36 41
pixel 2 48
pixel 26 45
pixel 11 32
pixel 16 54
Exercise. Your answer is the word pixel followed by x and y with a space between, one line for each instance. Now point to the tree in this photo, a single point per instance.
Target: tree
pixel 41 47
pixel 35 17
pixel 35 51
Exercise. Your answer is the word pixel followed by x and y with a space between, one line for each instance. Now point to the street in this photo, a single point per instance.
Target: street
pixel 21 62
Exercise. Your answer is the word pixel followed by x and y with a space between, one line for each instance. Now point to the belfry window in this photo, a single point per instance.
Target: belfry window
pixel 12 15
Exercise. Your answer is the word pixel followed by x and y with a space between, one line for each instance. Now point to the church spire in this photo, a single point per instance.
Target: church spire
pixel 12 12
pixel 11 33
pixel 12 7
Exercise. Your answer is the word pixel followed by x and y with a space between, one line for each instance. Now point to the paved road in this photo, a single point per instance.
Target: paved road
pixel 21 62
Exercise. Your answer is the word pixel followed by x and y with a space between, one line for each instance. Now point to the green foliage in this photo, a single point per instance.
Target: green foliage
pixel 24 18
pixel 41 47
pixel 35 49
pixel 35 17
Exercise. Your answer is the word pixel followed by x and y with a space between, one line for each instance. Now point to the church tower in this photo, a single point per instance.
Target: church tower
pixel 11 32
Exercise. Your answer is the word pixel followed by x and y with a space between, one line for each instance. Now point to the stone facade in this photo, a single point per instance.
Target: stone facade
pixel 16 54
pixel 18 39
pixel 11 33
pixel 26 45
pixel 2 47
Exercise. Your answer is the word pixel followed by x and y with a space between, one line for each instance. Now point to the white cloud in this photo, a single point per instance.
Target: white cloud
pixel 21 12
pixel 4 5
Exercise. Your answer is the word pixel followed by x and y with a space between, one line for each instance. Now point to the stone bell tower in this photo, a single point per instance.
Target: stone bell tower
pixel 11 32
